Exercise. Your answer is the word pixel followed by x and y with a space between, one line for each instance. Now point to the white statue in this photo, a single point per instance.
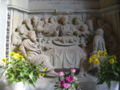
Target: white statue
pixel 77 22
pixel 98 42
pixel 31 52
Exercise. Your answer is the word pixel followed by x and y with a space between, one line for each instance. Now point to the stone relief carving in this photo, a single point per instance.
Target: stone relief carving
pixel 32 52
pixel 63 39
pixel 28 24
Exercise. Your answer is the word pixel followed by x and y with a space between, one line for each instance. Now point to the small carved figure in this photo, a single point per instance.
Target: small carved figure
pixel 31 52
pixel 28 23
pixel 98 42
pixel 23 31
pixel 90 25
pixel 77 22
pixel 65 28
pixel 38 24
pixel 50 26
pixel 15 40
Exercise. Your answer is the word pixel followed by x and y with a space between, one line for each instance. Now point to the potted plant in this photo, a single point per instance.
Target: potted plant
pixel 109 68
pixel 20 71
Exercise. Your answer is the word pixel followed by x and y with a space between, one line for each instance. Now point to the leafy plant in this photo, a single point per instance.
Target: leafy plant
pixel 109 67
pixel 17 69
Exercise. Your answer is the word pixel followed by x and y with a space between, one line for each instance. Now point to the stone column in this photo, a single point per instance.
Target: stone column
pixel 3 27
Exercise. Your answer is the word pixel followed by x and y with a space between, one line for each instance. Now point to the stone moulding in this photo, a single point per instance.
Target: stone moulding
pixel 55 11
pixel 114 8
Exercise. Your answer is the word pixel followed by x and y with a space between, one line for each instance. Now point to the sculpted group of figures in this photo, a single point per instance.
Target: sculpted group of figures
pixel 27 37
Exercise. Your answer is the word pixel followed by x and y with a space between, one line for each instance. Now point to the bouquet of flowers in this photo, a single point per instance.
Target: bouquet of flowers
pixel 67 81
pixel 109 67
pixel 17 69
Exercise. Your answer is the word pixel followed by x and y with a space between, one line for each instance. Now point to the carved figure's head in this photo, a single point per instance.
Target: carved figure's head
pixel 46 19
pixel 32 36
pixel 63 20
pixel 27 20
pixel 53 19
pixel 100 31
pixel 35 20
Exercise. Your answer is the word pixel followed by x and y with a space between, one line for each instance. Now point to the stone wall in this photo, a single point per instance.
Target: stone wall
pixel 111 14
pixel 63 5
pixel 106 3
pixel 3 27
pixel 23 4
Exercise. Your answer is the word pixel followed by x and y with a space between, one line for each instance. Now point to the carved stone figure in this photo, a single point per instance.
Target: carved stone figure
pixel 90 25
pixel 28 23
pixel 50 26
pixel 109 36
pixel 15 40
pixel 65 28
pixel 23 31
pixel 38 24
pixel 77 22
pixel 31 52
pixel 98 42
pixel 35 21
pixel 84 30
pixel 53 26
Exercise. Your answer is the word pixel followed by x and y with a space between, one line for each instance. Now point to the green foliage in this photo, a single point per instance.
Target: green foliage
pixel 108 72
pixel 17 69
pixel 22 71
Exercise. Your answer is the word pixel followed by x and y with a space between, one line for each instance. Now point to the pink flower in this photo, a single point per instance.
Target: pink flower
pixel 61 73
pixel 62 83
pixel 73 70
pixel 66 85
pixel 69 79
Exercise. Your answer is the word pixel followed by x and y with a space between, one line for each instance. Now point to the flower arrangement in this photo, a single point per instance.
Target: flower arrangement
pixel 109 67
pixel 67 81
pixel 17 69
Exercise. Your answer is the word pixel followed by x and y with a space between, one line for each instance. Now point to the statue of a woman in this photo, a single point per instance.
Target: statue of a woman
pixel 31 52
pixel 98 42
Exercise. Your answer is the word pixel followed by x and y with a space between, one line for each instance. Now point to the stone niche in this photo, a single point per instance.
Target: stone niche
pixel 68 41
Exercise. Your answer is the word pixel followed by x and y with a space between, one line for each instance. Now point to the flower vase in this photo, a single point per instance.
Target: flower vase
pixel 19 86
pixel 114 85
